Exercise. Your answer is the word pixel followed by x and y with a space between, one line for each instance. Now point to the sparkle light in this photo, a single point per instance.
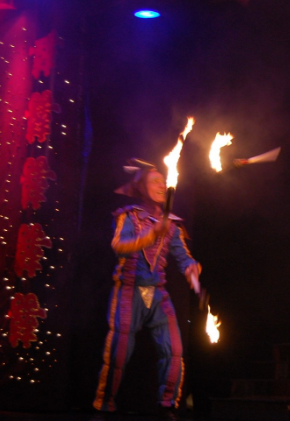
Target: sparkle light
pixel 146 14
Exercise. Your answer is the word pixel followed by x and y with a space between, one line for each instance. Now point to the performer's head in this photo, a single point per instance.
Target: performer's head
pixel 152 187
pixel 147 185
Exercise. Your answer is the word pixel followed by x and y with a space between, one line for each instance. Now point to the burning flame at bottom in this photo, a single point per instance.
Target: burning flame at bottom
pixel 219 142
pixel 171 162
pixel 212 325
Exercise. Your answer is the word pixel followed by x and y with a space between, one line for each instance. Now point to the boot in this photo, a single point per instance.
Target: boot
pixel 104 416
pixel 168 413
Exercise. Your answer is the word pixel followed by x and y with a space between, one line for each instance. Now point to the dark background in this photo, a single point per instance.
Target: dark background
pixel 227 64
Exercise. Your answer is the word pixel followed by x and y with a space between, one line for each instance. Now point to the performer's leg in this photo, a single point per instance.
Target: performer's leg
pixel 117 350
pixel 125 320
pixel 166 334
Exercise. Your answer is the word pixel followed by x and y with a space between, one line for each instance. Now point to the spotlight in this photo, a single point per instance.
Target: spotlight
pixel 146 14
pixel 7 5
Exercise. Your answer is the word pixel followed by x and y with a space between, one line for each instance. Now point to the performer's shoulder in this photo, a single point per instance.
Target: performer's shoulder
pixel 126 209
pixel 179 222
pixel 175 218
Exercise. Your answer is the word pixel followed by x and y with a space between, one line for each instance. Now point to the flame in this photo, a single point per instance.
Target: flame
pixel 212 325
pixel 188 127
pixel 214 155
pixel 171 160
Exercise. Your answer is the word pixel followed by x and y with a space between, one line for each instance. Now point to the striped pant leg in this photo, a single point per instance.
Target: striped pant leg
pixel 118 348
pixel 167 338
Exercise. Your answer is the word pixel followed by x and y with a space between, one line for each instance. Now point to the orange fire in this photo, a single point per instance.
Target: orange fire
pixel 188 127
pixel 171 160
pixel 212 325
pixel 219 142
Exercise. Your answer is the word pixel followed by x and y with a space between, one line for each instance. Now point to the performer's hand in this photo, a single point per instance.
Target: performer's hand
pixel 238 163
pixel 161 227
pixel 192 275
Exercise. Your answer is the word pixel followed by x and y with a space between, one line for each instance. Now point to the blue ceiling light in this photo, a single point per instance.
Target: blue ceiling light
pixel 147 14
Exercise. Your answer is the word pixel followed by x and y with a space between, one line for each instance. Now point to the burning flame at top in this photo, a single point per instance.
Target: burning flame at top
pixel 188 127
pixel 171 160
pixel 214 155
pixel 212 326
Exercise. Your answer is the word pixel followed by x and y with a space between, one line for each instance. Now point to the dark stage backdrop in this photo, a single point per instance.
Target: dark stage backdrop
pixel 134 83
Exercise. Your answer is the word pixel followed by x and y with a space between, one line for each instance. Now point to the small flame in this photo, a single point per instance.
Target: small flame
pixel 188 127
pixel 171 160
pixel 212 326
pixel 214 155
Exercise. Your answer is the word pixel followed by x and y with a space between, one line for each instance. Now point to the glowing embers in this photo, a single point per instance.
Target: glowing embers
pixel 146 14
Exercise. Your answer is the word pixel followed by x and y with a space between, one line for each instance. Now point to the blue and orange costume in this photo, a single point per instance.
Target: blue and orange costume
pixel 139 299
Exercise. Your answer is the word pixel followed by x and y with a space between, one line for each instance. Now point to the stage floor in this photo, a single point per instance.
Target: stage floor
pixel 17 416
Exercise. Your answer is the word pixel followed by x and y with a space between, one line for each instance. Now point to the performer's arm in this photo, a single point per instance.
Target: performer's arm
pixel 125 241
pixel 186 263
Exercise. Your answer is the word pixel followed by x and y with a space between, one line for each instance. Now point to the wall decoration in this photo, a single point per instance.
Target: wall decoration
pixel 23 315
pixel 31 239
pixel 44 55
pixel 38 116
pixel 34 181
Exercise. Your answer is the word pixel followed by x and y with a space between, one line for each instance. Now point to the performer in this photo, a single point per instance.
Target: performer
pixel 142 241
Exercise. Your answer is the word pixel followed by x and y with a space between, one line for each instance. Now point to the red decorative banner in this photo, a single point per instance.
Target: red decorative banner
pixel 44 55
pixel 34 181
pixel 31 239
pixel 23 314
pixel 38 115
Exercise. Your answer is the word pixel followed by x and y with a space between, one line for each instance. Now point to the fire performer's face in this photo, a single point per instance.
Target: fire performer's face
pixel 156 187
